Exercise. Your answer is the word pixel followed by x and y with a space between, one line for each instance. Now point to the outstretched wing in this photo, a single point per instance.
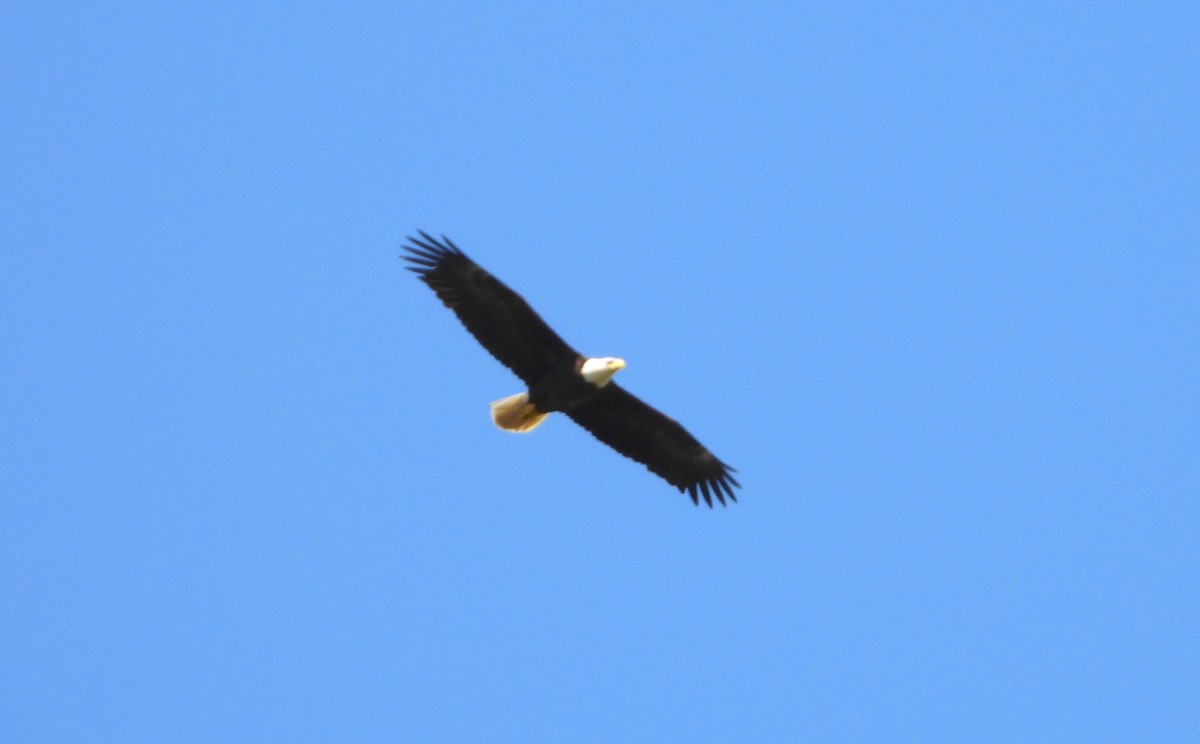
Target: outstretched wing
pixel 657 441
pixel 496 316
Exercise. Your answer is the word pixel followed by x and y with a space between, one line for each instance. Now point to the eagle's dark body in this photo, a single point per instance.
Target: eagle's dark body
pixel 562 389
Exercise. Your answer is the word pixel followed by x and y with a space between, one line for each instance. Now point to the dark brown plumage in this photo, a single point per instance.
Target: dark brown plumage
pixel 504 324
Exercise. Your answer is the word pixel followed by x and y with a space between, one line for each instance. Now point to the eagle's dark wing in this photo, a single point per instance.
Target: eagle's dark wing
pixel 657 441
pixel 494 314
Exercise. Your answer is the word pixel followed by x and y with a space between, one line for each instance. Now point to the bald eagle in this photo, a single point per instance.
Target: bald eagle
pixel 562 379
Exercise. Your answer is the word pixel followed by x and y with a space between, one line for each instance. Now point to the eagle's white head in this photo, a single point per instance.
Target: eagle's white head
pixel 600 370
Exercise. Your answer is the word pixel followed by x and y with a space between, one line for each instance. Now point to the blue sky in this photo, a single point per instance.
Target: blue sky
pixel 926 274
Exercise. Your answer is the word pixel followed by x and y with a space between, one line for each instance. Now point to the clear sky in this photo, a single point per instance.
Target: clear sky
pixel 927 274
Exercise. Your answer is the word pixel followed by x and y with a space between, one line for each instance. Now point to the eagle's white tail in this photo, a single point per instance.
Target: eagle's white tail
pixel 516 413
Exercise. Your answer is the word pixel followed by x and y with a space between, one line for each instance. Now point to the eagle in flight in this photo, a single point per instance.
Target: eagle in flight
pixel 561 379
